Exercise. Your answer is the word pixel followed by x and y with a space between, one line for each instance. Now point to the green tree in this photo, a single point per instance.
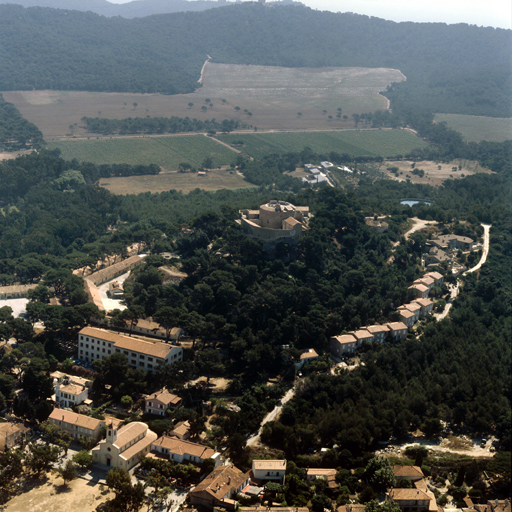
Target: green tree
pixel 320 502
pixel 126 402
pixel 40 458
pixel 68 472
pixel 83 458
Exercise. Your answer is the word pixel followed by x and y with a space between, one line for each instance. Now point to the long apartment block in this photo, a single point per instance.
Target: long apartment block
pixel 98 343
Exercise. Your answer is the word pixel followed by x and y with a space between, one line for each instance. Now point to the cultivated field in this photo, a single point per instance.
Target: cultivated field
pixel 168 152
pixel 478 128
pixel 353 142
pixel 273 95
pixel 435 173
pixel 165 181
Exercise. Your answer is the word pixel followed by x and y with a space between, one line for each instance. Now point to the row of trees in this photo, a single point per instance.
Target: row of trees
pixel 157 125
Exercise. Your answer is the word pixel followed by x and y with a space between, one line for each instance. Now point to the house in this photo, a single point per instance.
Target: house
pixel 326 165
pixel 269 470
pixel 380 332
pixel 220 488
pixel 115 290
pixel 437 277
pixel 158 403
pixel 343 344
pixel 413 307
pixel 11 434
pixel 268 223
pixel 124 447
pixel 349 507
pixel 306 357
pixel 420 290
pixel 428 281
pixel 181 430
pixel 77 425
pixel 411 473
pixel 327 473
pixel 435 256
pixel 446 242
pixel 264 508
pixel 426 306
pixel 19 291
pixel 407 317
pixel 179 451
pixel 397 331
pixel 70 394
pixel 97 343
pixel 316 179
pixel 410 499
pixel 313 474
pixel 113 271
pixel 362 335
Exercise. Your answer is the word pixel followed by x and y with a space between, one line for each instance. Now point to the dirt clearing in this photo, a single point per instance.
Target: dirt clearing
pixel 268 97
pixel 184 182
pixel 434 173
pixel 51 495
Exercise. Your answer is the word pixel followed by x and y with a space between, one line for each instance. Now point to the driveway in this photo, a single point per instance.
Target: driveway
pixel 272 415
pixel 485 252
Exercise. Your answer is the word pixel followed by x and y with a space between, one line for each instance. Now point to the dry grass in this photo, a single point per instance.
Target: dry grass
pixel 273 95
pixel 165 181
pixel 51 495
pixel 434 175
pixel 456 443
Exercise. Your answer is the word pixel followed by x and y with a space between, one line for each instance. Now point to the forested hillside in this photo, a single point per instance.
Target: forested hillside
pixel 456 69
pixel 133 9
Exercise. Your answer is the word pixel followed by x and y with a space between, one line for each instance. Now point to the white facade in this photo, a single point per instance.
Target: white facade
pixel 97 343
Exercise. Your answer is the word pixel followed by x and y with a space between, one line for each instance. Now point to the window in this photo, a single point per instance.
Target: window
pixel 86 346
pixel 150 358
pixel 109 351
pixel 81 343
pixel 125 352
pixel 103 351
pixel 141 357
pixel 150 366
pixel 86 339
pixel 103 343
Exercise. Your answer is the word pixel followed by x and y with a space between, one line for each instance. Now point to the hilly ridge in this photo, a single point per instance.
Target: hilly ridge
pixel 450 68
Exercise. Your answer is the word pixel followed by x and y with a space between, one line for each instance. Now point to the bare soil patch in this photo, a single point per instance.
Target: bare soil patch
pixel 215 384
pixel 273 95
pixel 435 173
pixel 50 494
pixel 168 180
pixel 14 154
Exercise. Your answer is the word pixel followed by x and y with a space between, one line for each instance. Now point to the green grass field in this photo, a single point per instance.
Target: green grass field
pixel 356 143
pixel 478 128
pixel 167 152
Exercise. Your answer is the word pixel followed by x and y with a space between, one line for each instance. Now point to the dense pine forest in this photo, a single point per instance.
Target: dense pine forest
pixel 454 69
pixel 251 306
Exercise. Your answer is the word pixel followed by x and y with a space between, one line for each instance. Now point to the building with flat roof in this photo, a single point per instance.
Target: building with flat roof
pixel 269 470
pixel 98 343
